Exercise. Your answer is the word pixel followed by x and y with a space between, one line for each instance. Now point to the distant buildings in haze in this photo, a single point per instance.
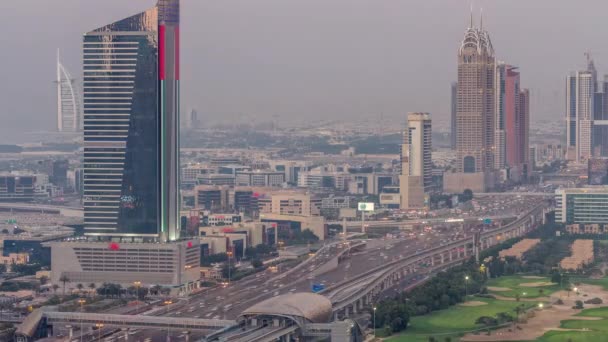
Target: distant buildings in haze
pixel 69 101
pixel 586 114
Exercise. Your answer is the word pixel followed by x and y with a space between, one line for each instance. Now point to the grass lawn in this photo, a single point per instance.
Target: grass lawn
pixel 513 283
pixel 453 320
pixel 598 330
pixel 603 282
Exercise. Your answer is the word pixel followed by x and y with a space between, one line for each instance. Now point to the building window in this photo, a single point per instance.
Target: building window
pixel 469 164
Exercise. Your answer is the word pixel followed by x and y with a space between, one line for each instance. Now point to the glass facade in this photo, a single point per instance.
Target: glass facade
pixel 582 206
pixel 131 126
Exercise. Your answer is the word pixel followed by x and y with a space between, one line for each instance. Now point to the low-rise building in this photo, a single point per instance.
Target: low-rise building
pixel 211 197
pixel 316 224
pixel 289 203
pixel 208 219
pixel 587 205
pixel 17 187
pixel 256 233
pixel 175 265
pixel 224 242
pixel 215 179
pixel 263 178
pixel 585 229
pixel 15 259
pixel 316 179
pixel 211 272
pixel 390 197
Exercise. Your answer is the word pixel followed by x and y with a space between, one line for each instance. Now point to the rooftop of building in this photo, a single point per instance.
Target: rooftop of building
pixel 591 189
pixel 477 38
pixel 312 307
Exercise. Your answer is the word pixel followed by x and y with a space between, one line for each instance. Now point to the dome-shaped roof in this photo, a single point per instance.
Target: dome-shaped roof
pixel 313 307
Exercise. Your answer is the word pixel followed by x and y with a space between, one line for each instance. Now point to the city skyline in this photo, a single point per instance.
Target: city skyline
pixel 310 213
pixel 214 99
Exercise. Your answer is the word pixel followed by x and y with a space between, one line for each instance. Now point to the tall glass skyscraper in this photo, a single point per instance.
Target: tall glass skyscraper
pixel 131 127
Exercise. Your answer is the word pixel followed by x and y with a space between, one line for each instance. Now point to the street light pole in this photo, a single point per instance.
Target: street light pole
pixel 81 302
pixel 466 283
pixel 99 327
pixel 374 327
pixel 167 303
pixel 137 285
pixel 229 271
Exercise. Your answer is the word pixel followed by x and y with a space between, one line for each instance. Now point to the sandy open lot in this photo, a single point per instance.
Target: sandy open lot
pixel 537 284
pixel 548 318
pixel 473 303
pixel 498 289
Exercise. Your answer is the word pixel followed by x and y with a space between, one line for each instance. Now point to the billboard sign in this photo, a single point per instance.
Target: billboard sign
pixel 366 206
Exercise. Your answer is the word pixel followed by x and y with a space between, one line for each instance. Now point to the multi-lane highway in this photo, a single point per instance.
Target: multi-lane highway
pixel 227 302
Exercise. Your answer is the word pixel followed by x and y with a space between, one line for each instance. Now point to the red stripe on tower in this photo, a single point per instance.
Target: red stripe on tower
pixel 177 52
pixel 161 52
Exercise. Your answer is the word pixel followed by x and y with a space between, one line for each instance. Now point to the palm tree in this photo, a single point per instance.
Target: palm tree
pixel 43 280
pixel 79 287
pixel 119 290
pixel 64 279
pixel 156 289
pixel 92 287
pixel 517 312
pixel 55 287
pixel 541 292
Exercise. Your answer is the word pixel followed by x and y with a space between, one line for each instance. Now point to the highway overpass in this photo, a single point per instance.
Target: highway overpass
pixel 431 220
pixel 43 208
pixel 27 330
pixel 370 284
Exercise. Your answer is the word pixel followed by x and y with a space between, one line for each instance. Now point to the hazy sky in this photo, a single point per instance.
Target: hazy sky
pixel 307 59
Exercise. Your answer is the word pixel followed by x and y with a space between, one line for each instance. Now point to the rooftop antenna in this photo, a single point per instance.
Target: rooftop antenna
pixel 481 20
pixel 471 25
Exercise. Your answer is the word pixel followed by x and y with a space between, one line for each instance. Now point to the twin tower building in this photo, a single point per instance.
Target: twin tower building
pixel 490 127
pixel 490 118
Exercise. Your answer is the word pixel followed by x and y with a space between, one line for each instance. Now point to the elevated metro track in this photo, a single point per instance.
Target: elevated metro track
pixel 381 278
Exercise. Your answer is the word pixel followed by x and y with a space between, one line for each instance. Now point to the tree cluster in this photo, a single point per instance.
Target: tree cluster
pixel 392 314
pixel 259 251
pixel 208 260
pixel 26 269
pixel 442 291
pixel 498 319
pixel 293 237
